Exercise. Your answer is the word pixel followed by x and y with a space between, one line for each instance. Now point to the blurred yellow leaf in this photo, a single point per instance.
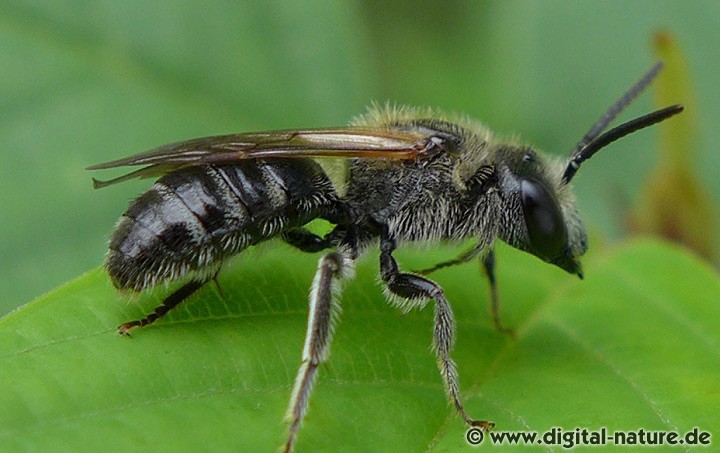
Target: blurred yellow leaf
pixel 673 204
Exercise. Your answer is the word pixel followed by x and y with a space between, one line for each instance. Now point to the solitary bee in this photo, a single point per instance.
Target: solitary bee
pixel 412 176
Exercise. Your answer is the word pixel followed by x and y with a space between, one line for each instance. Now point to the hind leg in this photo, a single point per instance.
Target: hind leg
pixel 324 308
pixel 305 240
pixel 170 302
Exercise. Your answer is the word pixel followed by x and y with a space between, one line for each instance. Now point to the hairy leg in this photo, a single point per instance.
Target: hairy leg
pixel 323 310
pixel 414 291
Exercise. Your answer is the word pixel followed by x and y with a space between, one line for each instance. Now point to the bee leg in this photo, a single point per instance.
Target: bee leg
pixel 465 257
pixel 170 302
pixel 323 310
pixel 414 291
pixel 305 240
pixel 216 282
pixel 488 263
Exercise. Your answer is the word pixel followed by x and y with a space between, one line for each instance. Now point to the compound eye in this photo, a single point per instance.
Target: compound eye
pixel 543 219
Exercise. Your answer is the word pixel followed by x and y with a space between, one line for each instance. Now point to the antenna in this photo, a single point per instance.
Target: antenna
pixel 617 133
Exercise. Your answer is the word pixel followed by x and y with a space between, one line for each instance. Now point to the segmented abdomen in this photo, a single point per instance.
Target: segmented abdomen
pixel 192 219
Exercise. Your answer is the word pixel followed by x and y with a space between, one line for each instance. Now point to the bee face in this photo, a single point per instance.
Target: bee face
pixel 541 215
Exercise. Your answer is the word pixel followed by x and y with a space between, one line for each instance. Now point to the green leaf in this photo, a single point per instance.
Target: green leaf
pixel 635 345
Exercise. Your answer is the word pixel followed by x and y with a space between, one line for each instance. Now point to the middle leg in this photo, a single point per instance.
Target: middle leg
pixel 415 291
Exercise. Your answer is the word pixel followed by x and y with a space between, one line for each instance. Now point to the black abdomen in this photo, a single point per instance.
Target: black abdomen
pixel 192 219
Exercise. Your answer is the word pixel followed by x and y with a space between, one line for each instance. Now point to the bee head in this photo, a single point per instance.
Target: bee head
pixel 539 209
pixel 541 216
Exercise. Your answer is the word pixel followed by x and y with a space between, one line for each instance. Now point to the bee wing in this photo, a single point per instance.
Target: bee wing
pixel 348 142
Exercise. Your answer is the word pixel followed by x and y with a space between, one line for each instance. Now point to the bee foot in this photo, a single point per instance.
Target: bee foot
pixel 482 424
pixel 124 329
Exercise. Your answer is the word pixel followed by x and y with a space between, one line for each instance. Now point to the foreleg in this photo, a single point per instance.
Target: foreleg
pixel 465 257
pixel 488 263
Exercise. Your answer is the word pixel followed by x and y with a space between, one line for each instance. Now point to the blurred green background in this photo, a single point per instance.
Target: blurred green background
pixel 87 81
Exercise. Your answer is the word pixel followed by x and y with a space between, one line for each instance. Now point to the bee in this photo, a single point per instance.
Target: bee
pixel 412 176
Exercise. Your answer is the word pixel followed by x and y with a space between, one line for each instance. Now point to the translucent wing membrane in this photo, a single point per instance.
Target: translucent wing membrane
pixel 348 142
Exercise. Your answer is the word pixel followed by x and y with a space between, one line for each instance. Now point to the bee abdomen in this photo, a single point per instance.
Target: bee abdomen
pixel 192 219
